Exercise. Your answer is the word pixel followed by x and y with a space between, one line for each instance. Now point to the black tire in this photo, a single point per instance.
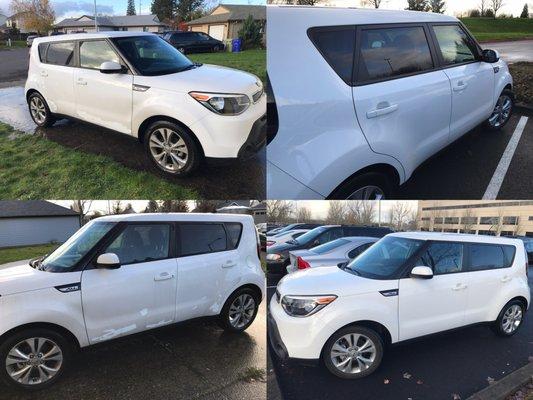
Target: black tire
pixel 371 334
pixel 491 127
pixel 377 179
pixel 194 155
pixel 67 350
pixel 497 326
pixel 224 317
pixel 49 118
pixel 216 48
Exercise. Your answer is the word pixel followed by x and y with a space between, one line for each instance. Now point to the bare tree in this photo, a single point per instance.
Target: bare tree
pixel 373 3
pixel 173 206
pixel 518 226
pixel 466 220
pixel 398 215
pixel 303 214
pixel 152 207
pixel 279 210
pixel 360 212
pixel 413 220
pixel 38 15
pixel 496 5
pixel 336 212
pixel 483 7
pixel 82 208
pixel 206 206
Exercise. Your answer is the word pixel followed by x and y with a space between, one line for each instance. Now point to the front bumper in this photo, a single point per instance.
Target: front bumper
pixel 275 339
pixel 256 139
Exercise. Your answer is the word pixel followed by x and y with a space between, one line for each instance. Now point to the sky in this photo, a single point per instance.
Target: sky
pixel 103 205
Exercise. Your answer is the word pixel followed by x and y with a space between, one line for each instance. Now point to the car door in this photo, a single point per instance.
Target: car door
pixel 205 264
pixel 139 295
pixel 402 101
pixel 432 305
pixel 102 99
pixel 471 79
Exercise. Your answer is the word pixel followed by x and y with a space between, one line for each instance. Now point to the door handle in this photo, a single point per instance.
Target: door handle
pixel 506 279
pixel 460 86
pixel 459 286
pixel 163 276
pixel 383 108
pixel 44 74
pixel 81 82
pixel 229 264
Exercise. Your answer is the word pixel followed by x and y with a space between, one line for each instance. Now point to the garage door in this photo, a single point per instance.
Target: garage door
pixel 217 31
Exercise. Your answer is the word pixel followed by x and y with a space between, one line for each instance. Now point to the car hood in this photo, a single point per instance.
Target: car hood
pixel 207 78
pixel 21 277
pixel 327 280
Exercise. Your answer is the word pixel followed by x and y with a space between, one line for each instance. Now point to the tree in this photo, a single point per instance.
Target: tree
pixel 467 220
pixel 206 206
pixel 38 15
pixel 373 3
pixel 437 6
pixel 279 210
pixel 360 212
pixel 173 206
pixel 336 212
pixel 398 215
pixel 185 9
pixel 303 214
pixel 131 8
pixel 116 207
pixel 152 207
pixel 483 7
pixel 496 5
pixel 250 33
pixel 164 9
pixel 82 208
pixel 525 12
pixel 417 5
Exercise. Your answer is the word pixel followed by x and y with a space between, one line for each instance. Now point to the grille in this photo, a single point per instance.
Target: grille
pixel 257 95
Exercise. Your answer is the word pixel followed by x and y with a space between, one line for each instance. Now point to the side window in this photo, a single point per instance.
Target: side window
pixel 61 53
pixel 94 53
pixel 444 258
pixel 141 243
pixel 330 235
pixel 234 230
pixel 391 52
pixel 337 46
pixel 489 256
pixel 358 250
pixel 202 238
pixel 454 44
pixel 42 51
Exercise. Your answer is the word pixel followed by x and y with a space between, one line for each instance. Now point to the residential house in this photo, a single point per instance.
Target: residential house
pixel 16 21
pixel 137 23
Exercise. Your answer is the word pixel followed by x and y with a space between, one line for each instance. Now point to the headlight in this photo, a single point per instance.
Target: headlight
pixel 303 306
pixel 223 104
pixel 274 257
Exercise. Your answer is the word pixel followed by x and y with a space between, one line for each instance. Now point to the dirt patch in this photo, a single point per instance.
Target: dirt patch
pixel 524 393
pixel 522 73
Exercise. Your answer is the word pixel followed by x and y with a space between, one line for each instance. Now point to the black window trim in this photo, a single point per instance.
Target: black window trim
pixel 229 244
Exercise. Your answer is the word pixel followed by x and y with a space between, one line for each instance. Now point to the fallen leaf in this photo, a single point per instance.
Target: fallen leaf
pixel 455 396
pixel 386 381
pixel 407 375
pixel 490 380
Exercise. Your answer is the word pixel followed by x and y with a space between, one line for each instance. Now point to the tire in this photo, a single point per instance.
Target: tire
pixel 39 105
pixel 374 337
pixel 216 48
pixel 504 117
pixel 353 188
pixel 224 319
pixel 187 150
pixel 499 326
pixel 18 339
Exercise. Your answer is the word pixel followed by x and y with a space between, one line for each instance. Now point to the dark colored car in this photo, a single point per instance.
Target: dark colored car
pixel 278 255
pixel 263 241
pixel 528 244
pixel 298 225
pixel 193 42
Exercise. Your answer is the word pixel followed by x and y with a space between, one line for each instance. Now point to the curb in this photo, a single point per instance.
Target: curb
pixel 506 386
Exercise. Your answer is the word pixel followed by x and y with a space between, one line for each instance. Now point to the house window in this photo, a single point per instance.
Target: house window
pixel 510 220
pixel 451 220
pixel 489 220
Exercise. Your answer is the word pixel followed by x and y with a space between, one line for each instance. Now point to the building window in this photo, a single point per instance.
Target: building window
pixel 451 220
pixel 506 233
pixel 510 220
pixel 489 220
pixel 450 230
pixel 470 231
pixel 469 220
pixel 425 219
pixel 490 233
pixel 531 218
pixel 438 220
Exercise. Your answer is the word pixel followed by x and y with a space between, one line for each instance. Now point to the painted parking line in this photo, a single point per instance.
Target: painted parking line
pixel 501 170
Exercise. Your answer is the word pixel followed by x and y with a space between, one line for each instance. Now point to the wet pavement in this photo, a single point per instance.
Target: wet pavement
pixel 512 51
pixel 233 179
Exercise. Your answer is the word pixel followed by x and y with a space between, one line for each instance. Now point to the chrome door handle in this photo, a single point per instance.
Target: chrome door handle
pixel 44 73
pixel 229 264
pixel 506 279
pixel 459 286
pixel 163 276
pixel 460 86
pixel 383 108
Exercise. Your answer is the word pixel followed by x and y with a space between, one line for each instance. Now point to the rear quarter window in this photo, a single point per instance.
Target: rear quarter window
pixel 42 51
pixel 61 53
pixel 202 238
pixel 234 230
pixel 489 256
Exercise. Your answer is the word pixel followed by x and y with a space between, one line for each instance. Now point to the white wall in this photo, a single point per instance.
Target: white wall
pixel 28 231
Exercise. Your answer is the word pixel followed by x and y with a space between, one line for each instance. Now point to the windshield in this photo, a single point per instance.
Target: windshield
pixel 385 258
pixel 76 247
pixel 151 55
pixel 311 235
pixel 327 247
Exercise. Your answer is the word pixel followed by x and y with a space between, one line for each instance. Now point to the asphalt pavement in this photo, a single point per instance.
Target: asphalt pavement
pixel 512 51
pixel 438 367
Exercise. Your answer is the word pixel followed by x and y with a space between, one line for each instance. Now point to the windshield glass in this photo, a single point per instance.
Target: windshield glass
pixel 151 55
pixel 327 247
pixel 311 235
pixel 76 247
pixel 383 259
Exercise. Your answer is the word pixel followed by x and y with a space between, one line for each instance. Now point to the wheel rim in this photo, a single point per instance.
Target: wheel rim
pixel 353 353
pixel 512 318
pixel 34 361
pixel 502 111
pixel 369 192
pixel 241 311
pixel 38 110
pixel 168 149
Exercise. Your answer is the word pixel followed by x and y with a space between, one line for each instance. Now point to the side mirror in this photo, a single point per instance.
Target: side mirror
pixel 111 67
pixel 422 272
pixel 490 56
pixel 108 261
pixel 342 265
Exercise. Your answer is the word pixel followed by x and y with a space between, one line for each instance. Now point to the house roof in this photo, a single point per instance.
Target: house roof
pixel 114 21
pixel 235 13
pixel 33 208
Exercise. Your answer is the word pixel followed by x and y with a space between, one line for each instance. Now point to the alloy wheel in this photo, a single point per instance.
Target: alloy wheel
pixel 241 311
pixel 369 192
pixel 353 353
pixel 38 110
pixel 512 319
pixel 502 111
pixel 34 361
pixel 168 149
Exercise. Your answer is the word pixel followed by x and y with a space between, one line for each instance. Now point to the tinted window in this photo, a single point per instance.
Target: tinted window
pixel 234 232
pixel 443 258
pixel 202 238
pixel 141 243
pixel 311 235
pixel 94 53
pixel 358 250
pixel 488 256
pixel 391 52
pixel 455 46
pixel 327 247
pixel 329 235
pixel 60 53
pixel 42 51
pixel 337 46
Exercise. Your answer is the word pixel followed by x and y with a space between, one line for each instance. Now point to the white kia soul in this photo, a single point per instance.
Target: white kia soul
pixel 138 84
pixel 119 275
pixel 404 286
pixel 360 97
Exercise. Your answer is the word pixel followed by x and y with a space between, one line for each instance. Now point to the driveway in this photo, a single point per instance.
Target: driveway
pixel 512 51
pixel 13 64
pixel 461 363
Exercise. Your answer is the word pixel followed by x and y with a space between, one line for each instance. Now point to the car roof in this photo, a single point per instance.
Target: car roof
pixel 162 217
pixel 360 238
pixel 95 35
pixel 457 237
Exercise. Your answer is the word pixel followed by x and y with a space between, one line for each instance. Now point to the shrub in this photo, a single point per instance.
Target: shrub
pixel 250 33
pixel 474 13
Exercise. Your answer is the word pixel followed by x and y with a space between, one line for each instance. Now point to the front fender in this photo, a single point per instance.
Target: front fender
pixel 502 79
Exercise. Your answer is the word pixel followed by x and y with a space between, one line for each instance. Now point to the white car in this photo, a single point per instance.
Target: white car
pixel 331 254
pixel 361 97
pixel 284 237
pixel 405 286
pixel 120 275
pixel 138 84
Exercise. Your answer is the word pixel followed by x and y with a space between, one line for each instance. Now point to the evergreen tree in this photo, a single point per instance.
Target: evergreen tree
pixel 417 5
pixel 186 10
pixel 152 207
pixel 437 6
pixel 131 8
pixel 250 33
pixel 525 12
pixel 164 9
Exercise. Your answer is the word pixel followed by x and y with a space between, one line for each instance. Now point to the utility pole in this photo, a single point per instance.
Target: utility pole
pixel 379 212
pixel 95 22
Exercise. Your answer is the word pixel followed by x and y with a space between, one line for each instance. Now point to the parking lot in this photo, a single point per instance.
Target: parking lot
pixel 438 367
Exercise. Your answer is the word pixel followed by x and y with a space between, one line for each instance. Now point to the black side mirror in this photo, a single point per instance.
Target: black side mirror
pixel 490 56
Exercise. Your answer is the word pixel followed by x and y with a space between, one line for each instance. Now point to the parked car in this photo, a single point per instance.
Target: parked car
pixel 332 254
pixel 405 286
pixel 381 92
pixel 136 83
pixel 278 255
pixel 123 274
pixel 58 33
pixel 528 244
pixel 286 228
pixel 263 241
pixel 193 42
pixel 29 39
pixel 283 237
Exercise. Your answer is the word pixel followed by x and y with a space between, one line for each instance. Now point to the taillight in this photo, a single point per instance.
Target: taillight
pixel 270 243
pixel 302 264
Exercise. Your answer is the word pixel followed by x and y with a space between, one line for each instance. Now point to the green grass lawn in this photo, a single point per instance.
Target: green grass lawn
pixel 14 43
pixel 32 167
pixel 253 61
pixel 24 253
pixel 487 29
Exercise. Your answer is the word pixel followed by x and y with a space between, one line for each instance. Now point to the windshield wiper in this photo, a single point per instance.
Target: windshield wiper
pixel 188 67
